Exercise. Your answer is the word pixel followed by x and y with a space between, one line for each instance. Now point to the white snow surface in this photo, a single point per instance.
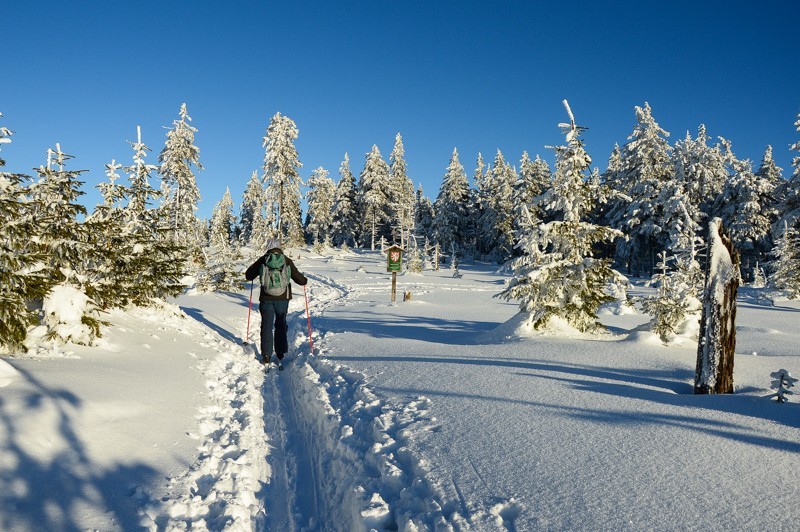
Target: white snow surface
pixel 438 413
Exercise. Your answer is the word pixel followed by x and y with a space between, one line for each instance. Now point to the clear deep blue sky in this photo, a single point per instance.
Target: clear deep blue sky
pixel 473 75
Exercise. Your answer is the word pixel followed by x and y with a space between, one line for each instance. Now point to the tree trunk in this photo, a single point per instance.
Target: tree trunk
pixel 717 342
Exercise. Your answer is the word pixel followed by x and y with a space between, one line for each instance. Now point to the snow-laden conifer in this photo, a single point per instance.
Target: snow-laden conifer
pixel 108 227
pixel 645 167
pixel 345 216
pixel 70 256
pixel 668 305
pixel 702 170
pixel 178 182
pixel 320 197
pixel 21 279
pixel 478 205
pixel 375 198
pixel 401 194
pixel 557 274
pixel 222 252
pixel 452 208
pixel 789 195
pixel 786 263
pixel 534 179
pixel 497 222
pixel 257 223
pixel 424 216
pixel 151 264
pixel 679 278
pixel 282 178
pixel 747 210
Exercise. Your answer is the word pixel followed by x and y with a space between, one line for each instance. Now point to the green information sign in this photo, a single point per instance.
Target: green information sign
pixel 394 259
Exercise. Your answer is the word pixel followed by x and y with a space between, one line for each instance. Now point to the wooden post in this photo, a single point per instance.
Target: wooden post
pixel 394 286
pixel 717 342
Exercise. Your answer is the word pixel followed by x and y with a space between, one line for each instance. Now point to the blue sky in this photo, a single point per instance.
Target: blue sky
pixel 473 75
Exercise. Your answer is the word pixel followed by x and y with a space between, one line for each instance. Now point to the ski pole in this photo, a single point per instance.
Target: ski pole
pixel 308 317
pixel 249 307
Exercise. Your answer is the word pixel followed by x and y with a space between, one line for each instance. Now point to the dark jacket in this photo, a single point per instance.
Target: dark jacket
pixel 255 269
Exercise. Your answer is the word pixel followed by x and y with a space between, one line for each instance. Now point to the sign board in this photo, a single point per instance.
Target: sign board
pixel 394 259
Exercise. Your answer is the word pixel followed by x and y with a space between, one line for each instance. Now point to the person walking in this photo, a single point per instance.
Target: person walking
pixel 275 270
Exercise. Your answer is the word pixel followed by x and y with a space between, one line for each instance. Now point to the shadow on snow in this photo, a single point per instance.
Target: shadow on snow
pixel 53 493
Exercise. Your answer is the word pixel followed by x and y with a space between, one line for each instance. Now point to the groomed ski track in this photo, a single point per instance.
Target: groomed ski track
pixel 306 448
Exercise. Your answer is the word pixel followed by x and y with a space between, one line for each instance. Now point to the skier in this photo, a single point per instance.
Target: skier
pixel 274 269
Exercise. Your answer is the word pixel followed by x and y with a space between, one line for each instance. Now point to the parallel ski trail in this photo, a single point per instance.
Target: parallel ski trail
pixel 295 496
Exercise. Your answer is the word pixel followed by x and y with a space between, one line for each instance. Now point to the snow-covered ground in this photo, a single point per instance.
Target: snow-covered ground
pixel 423 414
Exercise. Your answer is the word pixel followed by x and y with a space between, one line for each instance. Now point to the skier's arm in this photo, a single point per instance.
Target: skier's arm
pixel 252 272
pixel 297 277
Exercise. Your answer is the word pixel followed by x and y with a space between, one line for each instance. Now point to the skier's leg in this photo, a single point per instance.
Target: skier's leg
pixel 281 327
pixel 267 311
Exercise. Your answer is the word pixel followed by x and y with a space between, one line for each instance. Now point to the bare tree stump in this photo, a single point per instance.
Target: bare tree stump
pixel 717 342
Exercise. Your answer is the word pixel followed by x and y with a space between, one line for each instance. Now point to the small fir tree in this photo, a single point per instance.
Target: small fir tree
pixel 782 382
pixel 557 274
pixel 221 254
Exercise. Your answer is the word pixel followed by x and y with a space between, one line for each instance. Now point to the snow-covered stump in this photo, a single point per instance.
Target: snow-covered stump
pixel 717 341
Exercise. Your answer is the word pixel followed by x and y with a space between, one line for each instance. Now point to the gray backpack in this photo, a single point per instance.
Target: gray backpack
pixel 275 275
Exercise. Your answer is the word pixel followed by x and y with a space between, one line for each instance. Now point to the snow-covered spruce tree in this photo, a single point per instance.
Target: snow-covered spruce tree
pixel 478 206
pixel 557 274
pixel 151 263
pixel 788 195
pixel 424 216
pixel 747 210
pixel 702 169
pixel 70 256
pixel 375 198
pixel 20 278
pixel 320 197
pixel 452 208
pixel 282 178
pixel 345 217
pixel 782 381
pixel 221 254
pixel 534 179
pixel 675 300
pixel 684 242
pixel 179 185
pixel 107 225
pixel 253 204
pixel 759 277
pixel 498 216
pixel 645 168
pixel 667 306
pixel 717 340
pixel 401 194
pixel 786 263
pixel 416 261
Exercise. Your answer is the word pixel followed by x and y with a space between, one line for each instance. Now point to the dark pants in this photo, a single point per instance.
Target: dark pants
pixel 273 313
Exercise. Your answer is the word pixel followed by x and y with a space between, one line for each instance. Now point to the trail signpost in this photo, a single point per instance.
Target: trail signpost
pixel 394 264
